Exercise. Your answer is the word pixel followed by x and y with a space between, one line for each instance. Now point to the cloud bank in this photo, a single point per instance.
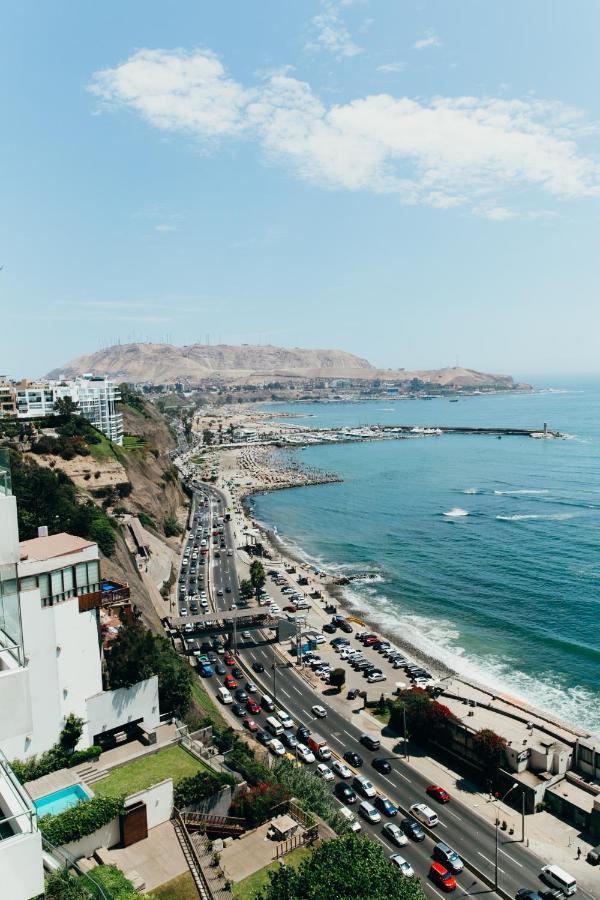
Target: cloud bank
pixel 444 152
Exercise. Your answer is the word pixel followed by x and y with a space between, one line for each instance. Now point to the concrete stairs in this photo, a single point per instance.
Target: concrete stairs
pixel 90 773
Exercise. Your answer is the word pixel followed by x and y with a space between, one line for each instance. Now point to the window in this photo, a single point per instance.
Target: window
pixel 56 583
pixel 586 755
pixel 93 573
pixel 81 577
pixel 68 581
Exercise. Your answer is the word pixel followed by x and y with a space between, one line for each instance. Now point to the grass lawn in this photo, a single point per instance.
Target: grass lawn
pixel 174 762
pixel 381 716
pixel 248 888
pixel 103 449
pixel 205 706
pixel 134 442
pixel 180 888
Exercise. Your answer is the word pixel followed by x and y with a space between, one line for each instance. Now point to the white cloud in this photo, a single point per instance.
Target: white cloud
pixel 428 40
pixel 392 67
pixel 448 151
pixel 329 33
pixel 498 213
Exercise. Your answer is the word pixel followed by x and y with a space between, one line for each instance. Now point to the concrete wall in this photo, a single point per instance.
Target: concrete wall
pixel 158 800
pixel 21 866
pixel 14 696
pixel 9 534
pixel 111 709
pixel 107 836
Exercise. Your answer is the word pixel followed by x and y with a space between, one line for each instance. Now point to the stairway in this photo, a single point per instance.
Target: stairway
pixel 90 773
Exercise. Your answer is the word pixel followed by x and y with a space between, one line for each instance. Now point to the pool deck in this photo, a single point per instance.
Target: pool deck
pixel 48 784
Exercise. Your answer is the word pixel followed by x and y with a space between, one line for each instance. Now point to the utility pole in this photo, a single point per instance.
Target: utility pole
pixel 404 739
pixel 522 816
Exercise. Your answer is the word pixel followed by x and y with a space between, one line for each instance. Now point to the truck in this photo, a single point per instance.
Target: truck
pixel 319 747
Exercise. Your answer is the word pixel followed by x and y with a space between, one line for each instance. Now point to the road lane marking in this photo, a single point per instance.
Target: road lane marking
pixel 297 691
pixel 447 812
pixel 443 824
pixel 284 692
pixel 388 780
pixel 337 740
pixel 348 733
pixel 430 886
pixel 490 862
pixel 512 859
pixel 404 776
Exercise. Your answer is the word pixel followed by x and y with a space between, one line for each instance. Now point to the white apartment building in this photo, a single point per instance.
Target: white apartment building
pixel 95 397
pixel 50 666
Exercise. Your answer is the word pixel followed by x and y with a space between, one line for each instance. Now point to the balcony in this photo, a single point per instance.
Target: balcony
pixel 20 841
pixel 111 593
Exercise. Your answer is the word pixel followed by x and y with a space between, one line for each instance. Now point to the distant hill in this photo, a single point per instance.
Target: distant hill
pixel 165 364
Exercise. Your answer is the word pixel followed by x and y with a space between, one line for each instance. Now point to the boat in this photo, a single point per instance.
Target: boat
pixel 454 400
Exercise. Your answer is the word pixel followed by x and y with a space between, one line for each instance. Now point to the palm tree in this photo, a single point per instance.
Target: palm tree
pixel 257 576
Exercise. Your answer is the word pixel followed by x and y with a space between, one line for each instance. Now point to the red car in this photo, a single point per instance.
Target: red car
pixel 438 793
pixel 252 706
pixel 442 877
pixel 249 723
pixel 230 682
pixel 370 639
pixel 290 608
pixel 229 660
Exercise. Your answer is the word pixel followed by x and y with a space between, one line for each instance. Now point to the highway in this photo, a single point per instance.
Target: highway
pixel 460 826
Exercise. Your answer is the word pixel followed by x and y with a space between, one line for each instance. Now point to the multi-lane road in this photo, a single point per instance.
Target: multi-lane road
pixel 460 826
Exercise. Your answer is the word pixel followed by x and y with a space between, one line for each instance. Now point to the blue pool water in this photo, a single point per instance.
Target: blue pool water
pixel 53 804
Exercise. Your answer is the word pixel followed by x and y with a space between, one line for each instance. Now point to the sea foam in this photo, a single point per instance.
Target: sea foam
pixel 456 513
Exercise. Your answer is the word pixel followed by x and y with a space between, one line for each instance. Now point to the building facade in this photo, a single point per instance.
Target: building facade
pixel 96 400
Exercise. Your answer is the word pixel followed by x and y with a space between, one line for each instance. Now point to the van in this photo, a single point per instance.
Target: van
pixel 558 878
pixel 448 857
pixel 224 695
pixel 267 703
pixel 424 814
pixel 372 743
pixel 274 726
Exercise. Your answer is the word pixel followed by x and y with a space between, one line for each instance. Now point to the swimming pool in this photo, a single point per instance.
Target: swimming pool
pixel 53 804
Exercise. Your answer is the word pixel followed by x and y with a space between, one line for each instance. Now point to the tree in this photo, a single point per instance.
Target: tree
pixel 72 731
pixel 491 749
pixel 246 589
pixel 65 406
pixel 256 805
pixel 137 654
pixel 426 718
pixel 351 865
pixel 207 436
pixel 257 576
pixel 337 678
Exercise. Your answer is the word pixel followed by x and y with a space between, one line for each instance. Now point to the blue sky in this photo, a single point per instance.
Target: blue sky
pixel 416 182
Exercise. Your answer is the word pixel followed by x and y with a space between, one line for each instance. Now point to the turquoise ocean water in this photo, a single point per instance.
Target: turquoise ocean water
pixel 509 593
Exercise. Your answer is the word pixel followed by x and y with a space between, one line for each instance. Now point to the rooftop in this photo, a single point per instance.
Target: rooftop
pixel 42 548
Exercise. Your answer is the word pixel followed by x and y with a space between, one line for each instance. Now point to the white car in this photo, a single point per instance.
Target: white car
pixel 376 676
pixel 274 609
pixel 424 814
pixel 303 753
pixel 324 772
pixel 251 687
pixel 368 812
pixel 404 866
pixel 341 769
pixel 319 711
pixel 276 747
pixel 319 639
pixel 284 718
pixel 350 818
pixel 246 635
pixel 395 834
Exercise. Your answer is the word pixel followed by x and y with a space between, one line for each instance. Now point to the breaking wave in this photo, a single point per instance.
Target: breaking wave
pixel 456 513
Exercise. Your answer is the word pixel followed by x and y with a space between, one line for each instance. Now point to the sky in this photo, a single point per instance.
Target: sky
pixel 415 182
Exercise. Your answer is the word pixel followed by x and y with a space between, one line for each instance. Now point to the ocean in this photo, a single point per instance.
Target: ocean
pixel 484 552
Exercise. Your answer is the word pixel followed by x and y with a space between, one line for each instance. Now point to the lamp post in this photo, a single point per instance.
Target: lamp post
pixel 498 800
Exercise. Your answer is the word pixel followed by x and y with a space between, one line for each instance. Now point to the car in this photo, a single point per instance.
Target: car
pixel 239 709
pixel 386 806
pixel 345 627
pixel 376 676
pixel 352 694
pixel 220 668
pixel 324 772
pixel 448 857
pixel 350 819
pixel 319 639
pixel 593 856
pixel 363 786
pixel 412 829
pixel 252 706
pixel 424 814
pixel 258 667
pixel 319 711
pixel 219 592
pixel 341 769
pixel 353 759
pixel 527 894
pixel 237 672
pixel 402 864
pixel 442 877
pixel 284 718
pixel 263 737
pixel 249 723
pixel 289 739
pixel 302 733
pixel 227 589
pixel 230 682
pixel 368 812
pixel 229 660
pixel 381 765
pixel 438 793
pixel 395 834
pixel 329 628
pixel 370 741
pixel 303 753
pixel 251 687
pixel 345 793
pixel 276 747
pixel 369 640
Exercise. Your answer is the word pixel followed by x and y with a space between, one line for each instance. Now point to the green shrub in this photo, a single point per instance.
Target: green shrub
pixel 171 526
pixel 199 786
pixel 80 756
pixel 146 520
pixel 80 820
pixel 37 766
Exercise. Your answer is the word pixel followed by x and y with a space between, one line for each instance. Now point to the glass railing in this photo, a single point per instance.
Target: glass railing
pixel 5 481
pixel 14 796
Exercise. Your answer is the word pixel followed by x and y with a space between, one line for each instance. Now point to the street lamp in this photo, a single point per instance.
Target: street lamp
pixel 498 800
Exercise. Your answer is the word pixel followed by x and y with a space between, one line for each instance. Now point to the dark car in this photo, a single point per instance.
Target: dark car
pixel 353 759
pixel 237 672
pixel 593 856
pixel 352 694
pixel 289 739
pixel 239 709
pixel 345 627
pixel 339 642
pixel 382 765
pixel 241 695
pixel 385 805
pixel 302 733
pixel 220 668
pixel 412 829
pixel 330 628
pixel 370 742
pixel 345 793
pixel 527 894
pixel 263 737
pixel 258 666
